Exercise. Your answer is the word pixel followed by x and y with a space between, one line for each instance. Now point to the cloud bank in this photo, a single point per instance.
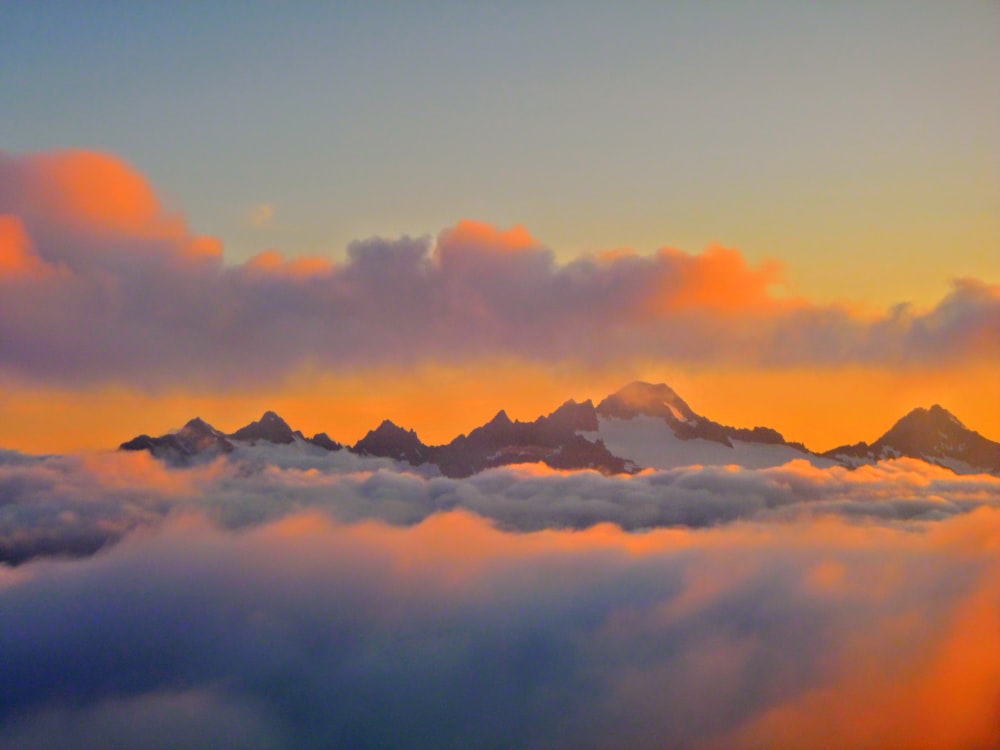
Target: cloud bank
pixel 100 283
pixel 286 598
pixel 73 505
pixel 302 632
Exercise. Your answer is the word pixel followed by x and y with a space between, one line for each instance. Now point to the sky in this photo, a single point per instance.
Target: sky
pixel 844 154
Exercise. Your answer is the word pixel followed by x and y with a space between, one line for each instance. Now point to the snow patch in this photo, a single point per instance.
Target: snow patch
pixel 650 443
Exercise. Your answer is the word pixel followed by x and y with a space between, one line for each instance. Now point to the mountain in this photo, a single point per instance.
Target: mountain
pixel 321 440
pixel 195 439
pixel 555 440
pixel 552 439
pixel 647 399
pixel 654 427
pixel 934 435
pixel 391 441
pixel 198 440
pixel 642 425
pixel 270 428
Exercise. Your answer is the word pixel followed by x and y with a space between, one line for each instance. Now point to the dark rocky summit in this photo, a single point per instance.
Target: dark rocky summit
pixel 391 441
pixel 270 428
pixel 195 439
pixel 934 435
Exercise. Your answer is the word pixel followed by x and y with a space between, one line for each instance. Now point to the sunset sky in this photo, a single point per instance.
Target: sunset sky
pixel 786 210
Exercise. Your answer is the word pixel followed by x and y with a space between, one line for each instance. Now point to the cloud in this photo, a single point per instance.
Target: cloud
pixel 77 505
pixel 303 632
pixel 17 260
pixel 262 215
pixel 106 285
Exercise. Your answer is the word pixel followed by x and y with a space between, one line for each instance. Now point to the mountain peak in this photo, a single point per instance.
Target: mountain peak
pixel 573 416
pixel 195 439
pixel 389 440
pixel 387 426
pixel 199 426
pixel 639 398
pixel 936 419
pixel 270 428
pixel 324 441
pixel 940 414
pixel 500 419
pixel 935 435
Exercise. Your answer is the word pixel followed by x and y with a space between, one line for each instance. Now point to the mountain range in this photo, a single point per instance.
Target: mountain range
pixel 642 425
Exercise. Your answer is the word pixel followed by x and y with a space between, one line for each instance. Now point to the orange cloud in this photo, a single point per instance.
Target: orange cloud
pixel 95 189
pixel 933 692
pixel 468 233
pixel 273 262
pixel 79 198
pixel 16 256
pixel 718 279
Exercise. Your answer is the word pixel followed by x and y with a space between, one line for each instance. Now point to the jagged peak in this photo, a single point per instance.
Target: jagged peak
pixel 269 427
pixel 935 415
pixel 392 441
pixel 643 387
pixel 500 419
pixel 323 440
pixel 389 430
pixel 198 425
pixel 936 433
pixel 652 399
pixel 939 412
pixel 574 404
pixel 572 415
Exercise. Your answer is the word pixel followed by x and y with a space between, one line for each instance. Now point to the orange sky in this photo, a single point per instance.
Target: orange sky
pixel 822 408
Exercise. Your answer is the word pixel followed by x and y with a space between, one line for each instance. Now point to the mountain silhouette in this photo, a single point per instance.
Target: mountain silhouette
pixel 642 425
pixel 934 435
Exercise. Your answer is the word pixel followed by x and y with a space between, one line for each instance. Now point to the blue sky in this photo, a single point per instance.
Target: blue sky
pixel 856 142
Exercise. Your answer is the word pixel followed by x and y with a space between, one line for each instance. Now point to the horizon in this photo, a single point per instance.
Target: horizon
pixel 46 422
pixel 247 421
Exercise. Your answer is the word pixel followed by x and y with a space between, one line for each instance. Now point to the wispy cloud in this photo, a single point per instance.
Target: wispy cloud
pixel 262 215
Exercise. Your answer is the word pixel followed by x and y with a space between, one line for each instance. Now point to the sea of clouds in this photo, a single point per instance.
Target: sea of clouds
pixel 284 598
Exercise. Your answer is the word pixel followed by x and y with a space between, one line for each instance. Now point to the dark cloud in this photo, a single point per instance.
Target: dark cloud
pixel 100 286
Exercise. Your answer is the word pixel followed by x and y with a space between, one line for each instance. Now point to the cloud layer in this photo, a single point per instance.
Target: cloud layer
pixel 304 633
pixel 99 282
pixel 285 598
pixel 75 505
